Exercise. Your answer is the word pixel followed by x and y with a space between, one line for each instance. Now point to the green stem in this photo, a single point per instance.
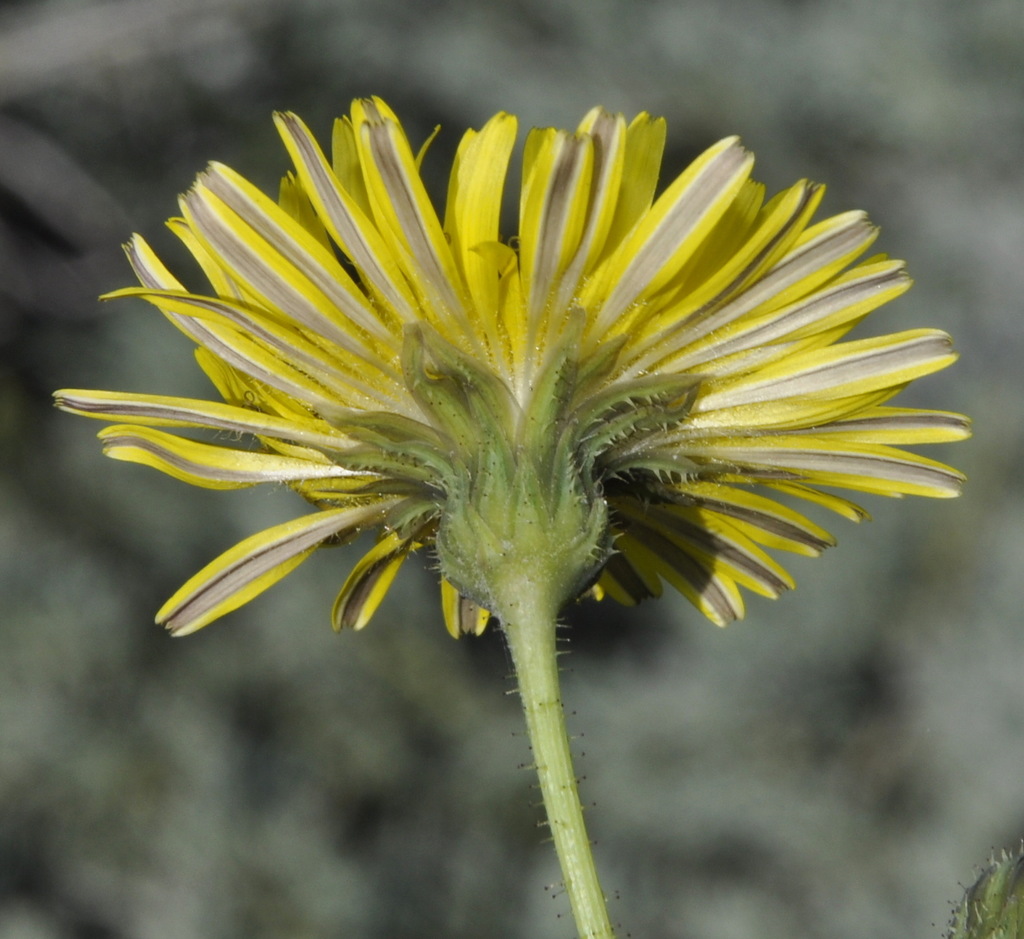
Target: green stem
pixel 522 535
pixel 531 637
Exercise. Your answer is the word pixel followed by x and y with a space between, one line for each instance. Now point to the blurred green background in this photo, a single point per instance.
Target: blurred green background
pixel 831 767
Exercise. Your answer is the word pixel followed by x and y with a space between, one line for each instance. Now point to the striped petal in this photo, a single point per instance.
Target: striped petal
pixel 763 520
pixel 627 582
pixel 715 542
pixel 404 214
pixel 557 167
pixel 713 593
pixel 609 135
pixel 832 311
pixel 212 467
pixel 337 374
pixel 258 562
pixel 167 411
pixel 368 583
pixel 818 255
pixel 851 368
pixel 870 468
pixel 898 425
pixel 278 259
pixel 461 615
pixel 670 232
pixel 346 217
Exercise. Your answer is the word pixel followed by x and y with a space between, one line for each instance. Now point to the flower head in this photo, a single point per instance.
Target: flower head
pixel 637 379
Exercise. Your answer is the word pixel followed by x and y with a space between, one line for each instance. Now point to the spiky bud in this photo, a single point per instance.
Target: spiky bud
pixel 993 908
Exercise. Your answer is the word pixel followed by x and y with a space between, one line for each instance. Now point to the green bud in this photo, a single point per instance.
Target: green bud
pixel 993 908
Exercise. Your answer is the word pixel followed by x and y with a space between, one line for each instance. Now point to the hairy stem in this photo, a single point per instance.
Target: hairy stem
pixel 531 638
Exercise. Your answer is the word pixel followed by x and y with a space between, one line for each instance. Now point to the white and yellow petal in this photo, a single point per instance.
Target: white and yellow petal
pixel 214 467
pixel 405 216
pixel 849 369
pixel 250 567
pixel 668 234
pixel 170 411
pixel 819 461
pixel 341 203
pixel 368 582
pixel 462 616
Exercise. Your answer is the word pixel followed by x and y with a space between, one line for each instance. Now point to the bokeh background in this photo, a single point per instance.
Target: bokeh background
pixel 833 766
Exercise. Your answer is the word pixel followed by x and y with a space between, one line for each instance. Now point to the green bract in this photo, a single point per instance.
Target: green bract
pixel 993 908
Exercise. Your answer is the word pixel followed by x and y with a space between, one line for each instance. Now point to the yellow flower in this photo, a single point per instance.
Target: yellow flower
pixel 650 373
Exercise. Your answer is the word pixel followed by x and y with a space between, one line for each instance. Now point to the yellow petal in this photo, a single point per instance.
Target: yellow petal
pixel 346 216
pixel 295 201
pixel 848 369
pixel 368 583
pixel 405 216
pixel 645 144
pixel 283 266
pixel 553 212
pixel 474 209
pixel 168 411
pixel 212 467
pixel 346 166
pixel 820 461
pixel 668 235
pixel 714 594
pixel 250 567
pixel 461 615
